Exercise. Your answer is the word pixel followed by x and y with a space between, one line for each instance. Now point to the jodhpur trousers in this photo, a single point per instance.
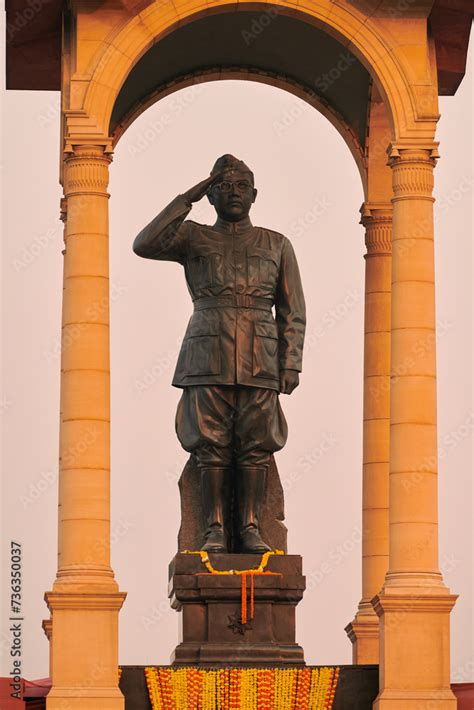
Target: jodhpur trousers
pixel 225 424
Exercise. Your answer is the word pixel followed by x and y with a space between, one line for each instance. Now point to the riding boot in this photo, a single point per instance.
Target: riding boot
pixel 214 490
pixel 250 483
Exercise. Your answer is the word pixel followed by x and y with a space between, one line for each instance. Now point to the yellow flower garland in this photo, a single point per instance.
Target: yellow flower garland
pixel 259 569
pixel 246 614
pixel 194 688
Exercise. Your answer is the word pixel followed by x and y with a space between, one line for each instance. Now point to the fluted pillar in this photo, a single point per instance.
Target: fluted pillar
pixel 364 629
pixel 414 604
pixel 85 600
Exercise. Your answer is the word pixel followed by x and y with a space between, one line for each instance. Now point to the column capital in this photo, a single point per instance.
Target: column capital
pixel 412 167
pixel 86 169
pixel 72 143
pixel 427 151
pixel 377 220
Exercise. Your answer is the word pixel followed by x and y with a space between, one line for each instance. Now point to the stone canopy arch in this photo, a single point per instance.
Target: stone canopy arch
pixel 117 58
pixel 410 97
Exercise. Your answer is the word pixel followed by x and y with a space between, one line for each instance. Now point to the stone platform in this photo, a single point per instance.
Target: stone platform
pixel 211 629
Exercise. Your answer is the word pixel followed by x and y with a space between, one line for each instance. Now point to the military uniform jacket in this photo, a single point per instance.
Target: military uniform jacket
pixel 235 273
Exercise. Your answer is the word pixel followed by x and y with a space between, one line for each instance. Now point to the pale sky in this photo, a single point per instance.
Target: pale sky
pixel 309 189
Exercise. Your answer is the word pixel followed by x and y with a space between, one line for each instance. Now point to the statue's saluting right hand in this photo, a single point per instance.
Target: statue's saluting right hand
pixel 196 193
pixel 149 243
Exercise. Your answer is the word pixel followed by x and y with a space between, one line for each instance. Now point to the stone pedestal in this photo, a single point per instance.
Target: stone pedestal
pixel 211 628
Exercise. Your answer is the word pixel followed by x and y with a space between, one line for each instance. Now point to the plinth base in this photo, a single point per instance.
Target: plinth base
pixel 212 632
pixel 438 700
pixel 85 699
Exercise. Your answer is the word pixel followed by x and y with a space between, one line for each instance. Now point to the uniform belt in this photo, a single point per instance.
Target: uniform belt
pixel 237 300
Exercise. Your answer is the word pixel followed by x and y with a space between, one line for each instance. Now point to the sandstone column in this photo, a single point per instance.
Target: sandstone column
pixel 414 604
pixel 85 600
pixel 364 629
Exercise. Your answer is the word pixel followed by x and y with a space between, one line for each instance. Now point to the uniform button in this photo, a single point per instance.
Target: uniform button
pixel 239 288
pixel 239 267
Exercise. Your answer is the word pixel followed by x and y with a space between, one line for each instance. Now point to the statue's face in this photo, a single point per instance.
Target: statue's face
pixel 233 195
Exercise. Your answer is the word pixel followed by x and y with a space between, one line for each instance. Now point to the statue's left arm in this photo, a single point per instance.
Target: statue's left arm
pixel 290 317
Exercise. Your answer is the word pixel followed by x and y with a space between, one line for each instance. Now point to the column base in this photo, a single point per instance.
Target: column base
pixel 363 633
pixel 414 644
pixel 409 700
pixel 87 578
pixel 80 698
pixel 84 649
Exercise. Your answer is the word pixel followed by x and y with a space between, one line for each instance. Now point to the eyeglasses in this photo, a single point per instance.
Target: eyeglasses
pixel 227 185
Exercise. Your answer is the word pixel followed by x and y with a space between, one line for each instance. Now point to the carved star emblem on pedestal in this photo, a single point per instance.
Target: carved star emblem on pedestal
pixel 237 626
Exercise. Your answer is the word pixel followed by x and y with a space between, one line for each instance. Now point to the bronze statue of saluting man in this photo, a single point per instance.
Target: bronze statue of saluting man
pixel 237 356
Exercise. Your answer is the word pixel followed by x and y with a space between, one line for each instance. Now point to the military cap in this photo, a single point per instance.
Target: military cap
pixel 228 162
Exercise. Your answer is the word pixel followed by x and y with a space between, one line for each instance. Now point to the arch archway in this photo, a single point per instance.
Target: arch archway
pixel 347 132
pixel 101 67
pixel 411 101
pixel 306 208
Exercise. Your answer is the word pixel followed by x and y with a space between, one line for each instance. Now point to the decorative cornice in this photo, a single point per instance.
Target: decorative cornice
pixel 431 147
pixel 85 600
pixel 81 129
pixel 408 603
pixel 377 220
pixel 47 625
pixel 86 170
pixel 366 628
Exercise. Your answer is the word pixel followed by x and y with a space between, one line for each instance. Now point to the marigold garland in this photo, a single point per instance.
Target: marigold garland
pixel 241 688
pixel 207 563
pixel 194 688
pixel 247 612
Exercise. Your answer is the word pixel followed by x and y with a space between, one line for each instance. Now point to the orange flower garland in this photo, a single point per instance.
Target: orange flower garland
pixel 303 689
pixel 234 689
pixel 194 688
pixel 244 573
pixel 241 688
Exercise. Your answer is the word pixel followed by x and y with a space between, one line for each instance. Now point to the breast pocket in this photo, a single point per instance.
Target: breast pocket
pixel 265 350
pixel 262 267
pixel 203 355
pixel 205 267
